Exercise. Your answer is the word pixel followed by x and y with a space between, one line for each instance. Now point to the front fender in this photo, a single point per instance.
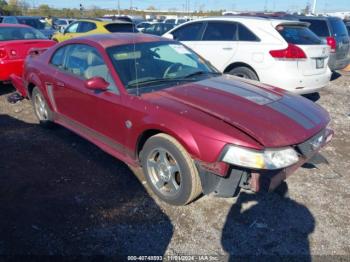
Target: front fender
pixel 180 133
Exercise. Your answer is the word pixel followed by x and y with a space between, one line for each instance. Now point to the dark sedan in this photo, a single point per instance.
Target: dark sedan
pixel 32 21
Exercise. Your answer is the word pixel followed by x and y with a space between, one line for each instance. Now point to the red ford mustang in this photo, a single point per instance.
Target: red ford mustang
pixel 15 42
pixel 154 103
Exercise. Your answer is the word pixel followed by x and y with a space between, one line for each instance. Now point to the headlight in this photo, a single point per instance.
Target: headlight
pixel 267 159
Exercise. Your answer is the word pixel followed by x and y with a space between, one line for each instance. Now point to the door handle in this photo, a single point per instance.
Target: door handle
pixel 227 48
pixel 60 84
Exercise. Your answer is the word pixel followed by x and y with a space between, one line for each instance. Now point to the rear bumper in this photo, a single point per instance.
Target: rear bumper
pixel 337 64
pixel 297 83
pixel 17 82
pixel 9 67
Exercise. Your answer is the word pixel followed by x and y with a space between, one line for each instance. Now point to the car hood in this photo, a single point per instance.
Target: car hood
pixel 273 117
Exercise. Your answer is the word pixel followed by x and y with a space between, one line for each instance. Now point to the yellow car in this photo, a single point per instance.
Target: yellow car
pixel 93 26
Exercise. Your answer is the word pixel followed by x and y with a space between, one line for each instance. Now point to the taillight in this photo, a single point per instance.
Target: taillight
pixel 3 53
pixel 291 52
pixel 332 43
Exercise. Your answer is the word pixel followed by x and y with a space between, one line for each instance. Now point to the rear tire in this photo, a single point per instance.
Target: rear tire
pixel 244 72
pixel 169 170
pixel 41 109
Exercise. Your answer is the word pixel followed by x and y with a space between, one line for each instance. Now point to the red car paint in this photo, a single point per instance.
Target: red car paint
pixel 203 116
pixel 15 51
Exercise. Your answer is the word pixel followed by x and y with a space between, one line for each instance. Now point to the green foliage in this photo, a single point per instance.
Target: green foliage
pixel 22 7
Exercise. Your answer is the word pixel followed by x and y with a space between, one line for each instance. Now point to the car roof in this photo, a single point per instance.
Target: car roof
pixel 251 19
pixel 13 25
pixel 103 22
pixel 235 18
pixel 108 40
pixel 317 17
pixel 25 17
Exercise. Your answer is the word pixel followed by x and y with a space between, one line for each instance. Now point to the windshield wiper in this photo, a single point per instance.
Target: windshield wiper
pixel 198 73
pixel 154 81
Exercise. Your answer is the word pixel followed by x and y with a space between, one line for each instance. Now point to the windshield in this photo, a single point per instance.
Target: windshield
pixel 298 35
pixel 19 33
pixel 32 22
pixel 157 64
pixel 319 27
pixel 121 28
pixel 61 22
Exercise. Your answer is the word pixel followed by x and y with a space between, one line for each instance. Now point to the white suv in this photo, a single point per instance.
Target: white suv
pixel 281 53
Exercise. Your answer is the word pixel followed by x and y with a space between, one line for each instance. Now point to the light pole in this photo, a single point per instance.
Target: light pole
pixel 314 7
pixel 118 7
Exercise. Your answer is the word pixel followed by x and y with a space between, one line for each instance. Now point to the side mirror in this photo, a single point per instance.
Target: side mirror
pixel 97 83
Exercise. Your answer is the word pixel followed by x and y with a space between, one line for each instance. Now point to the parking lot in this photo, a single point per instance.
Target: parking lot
pixel 59 194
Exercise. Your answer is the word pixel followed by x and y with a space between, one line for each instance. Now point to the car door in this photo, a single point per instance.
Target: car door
pixel 219 43
pixel 189 34
pixel 74 102
pixel 111 114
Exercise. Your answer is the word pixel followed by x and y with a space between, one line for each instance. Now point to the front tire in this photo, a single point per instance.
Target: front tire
pixel 41 109
pixel 169 170
pixel 244 72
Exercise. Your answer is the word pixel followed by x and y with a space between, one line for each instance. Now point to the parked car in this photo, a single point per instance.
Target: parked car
pixel 276 52
pixel 347 24
pixel 143 25
pixel 62 23
pixel 93 26
pixel 32 21
pixel 158 29
pixel 175 21
pixel 16 40
pixel 189 127
pixel 333 31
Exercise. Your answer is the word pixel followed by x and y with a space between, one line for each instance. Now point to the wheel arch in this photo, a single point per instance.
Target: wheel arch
pixel 184 138
pixel 240 64
pixel 30 88
pixel 33 81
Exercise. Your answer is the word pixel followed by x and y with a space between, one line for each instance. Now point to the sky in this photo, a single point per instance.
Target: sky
pixel 240 5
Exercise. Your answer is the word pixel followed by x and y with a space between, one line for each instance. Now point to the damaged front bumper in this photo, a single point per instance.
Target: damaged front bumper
pixel 259 180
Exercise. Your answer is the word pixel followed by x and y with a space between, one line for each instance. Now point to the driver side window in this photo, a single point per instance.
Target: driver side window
pixel 86 27
pixel 86 62
pixel 72 28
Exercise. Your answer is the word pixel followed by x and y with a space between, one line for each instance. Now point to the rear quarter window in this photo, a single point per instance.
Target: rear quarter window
pixel 121 28
pixel 244 34
pixel 298 35
pixel 319 27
